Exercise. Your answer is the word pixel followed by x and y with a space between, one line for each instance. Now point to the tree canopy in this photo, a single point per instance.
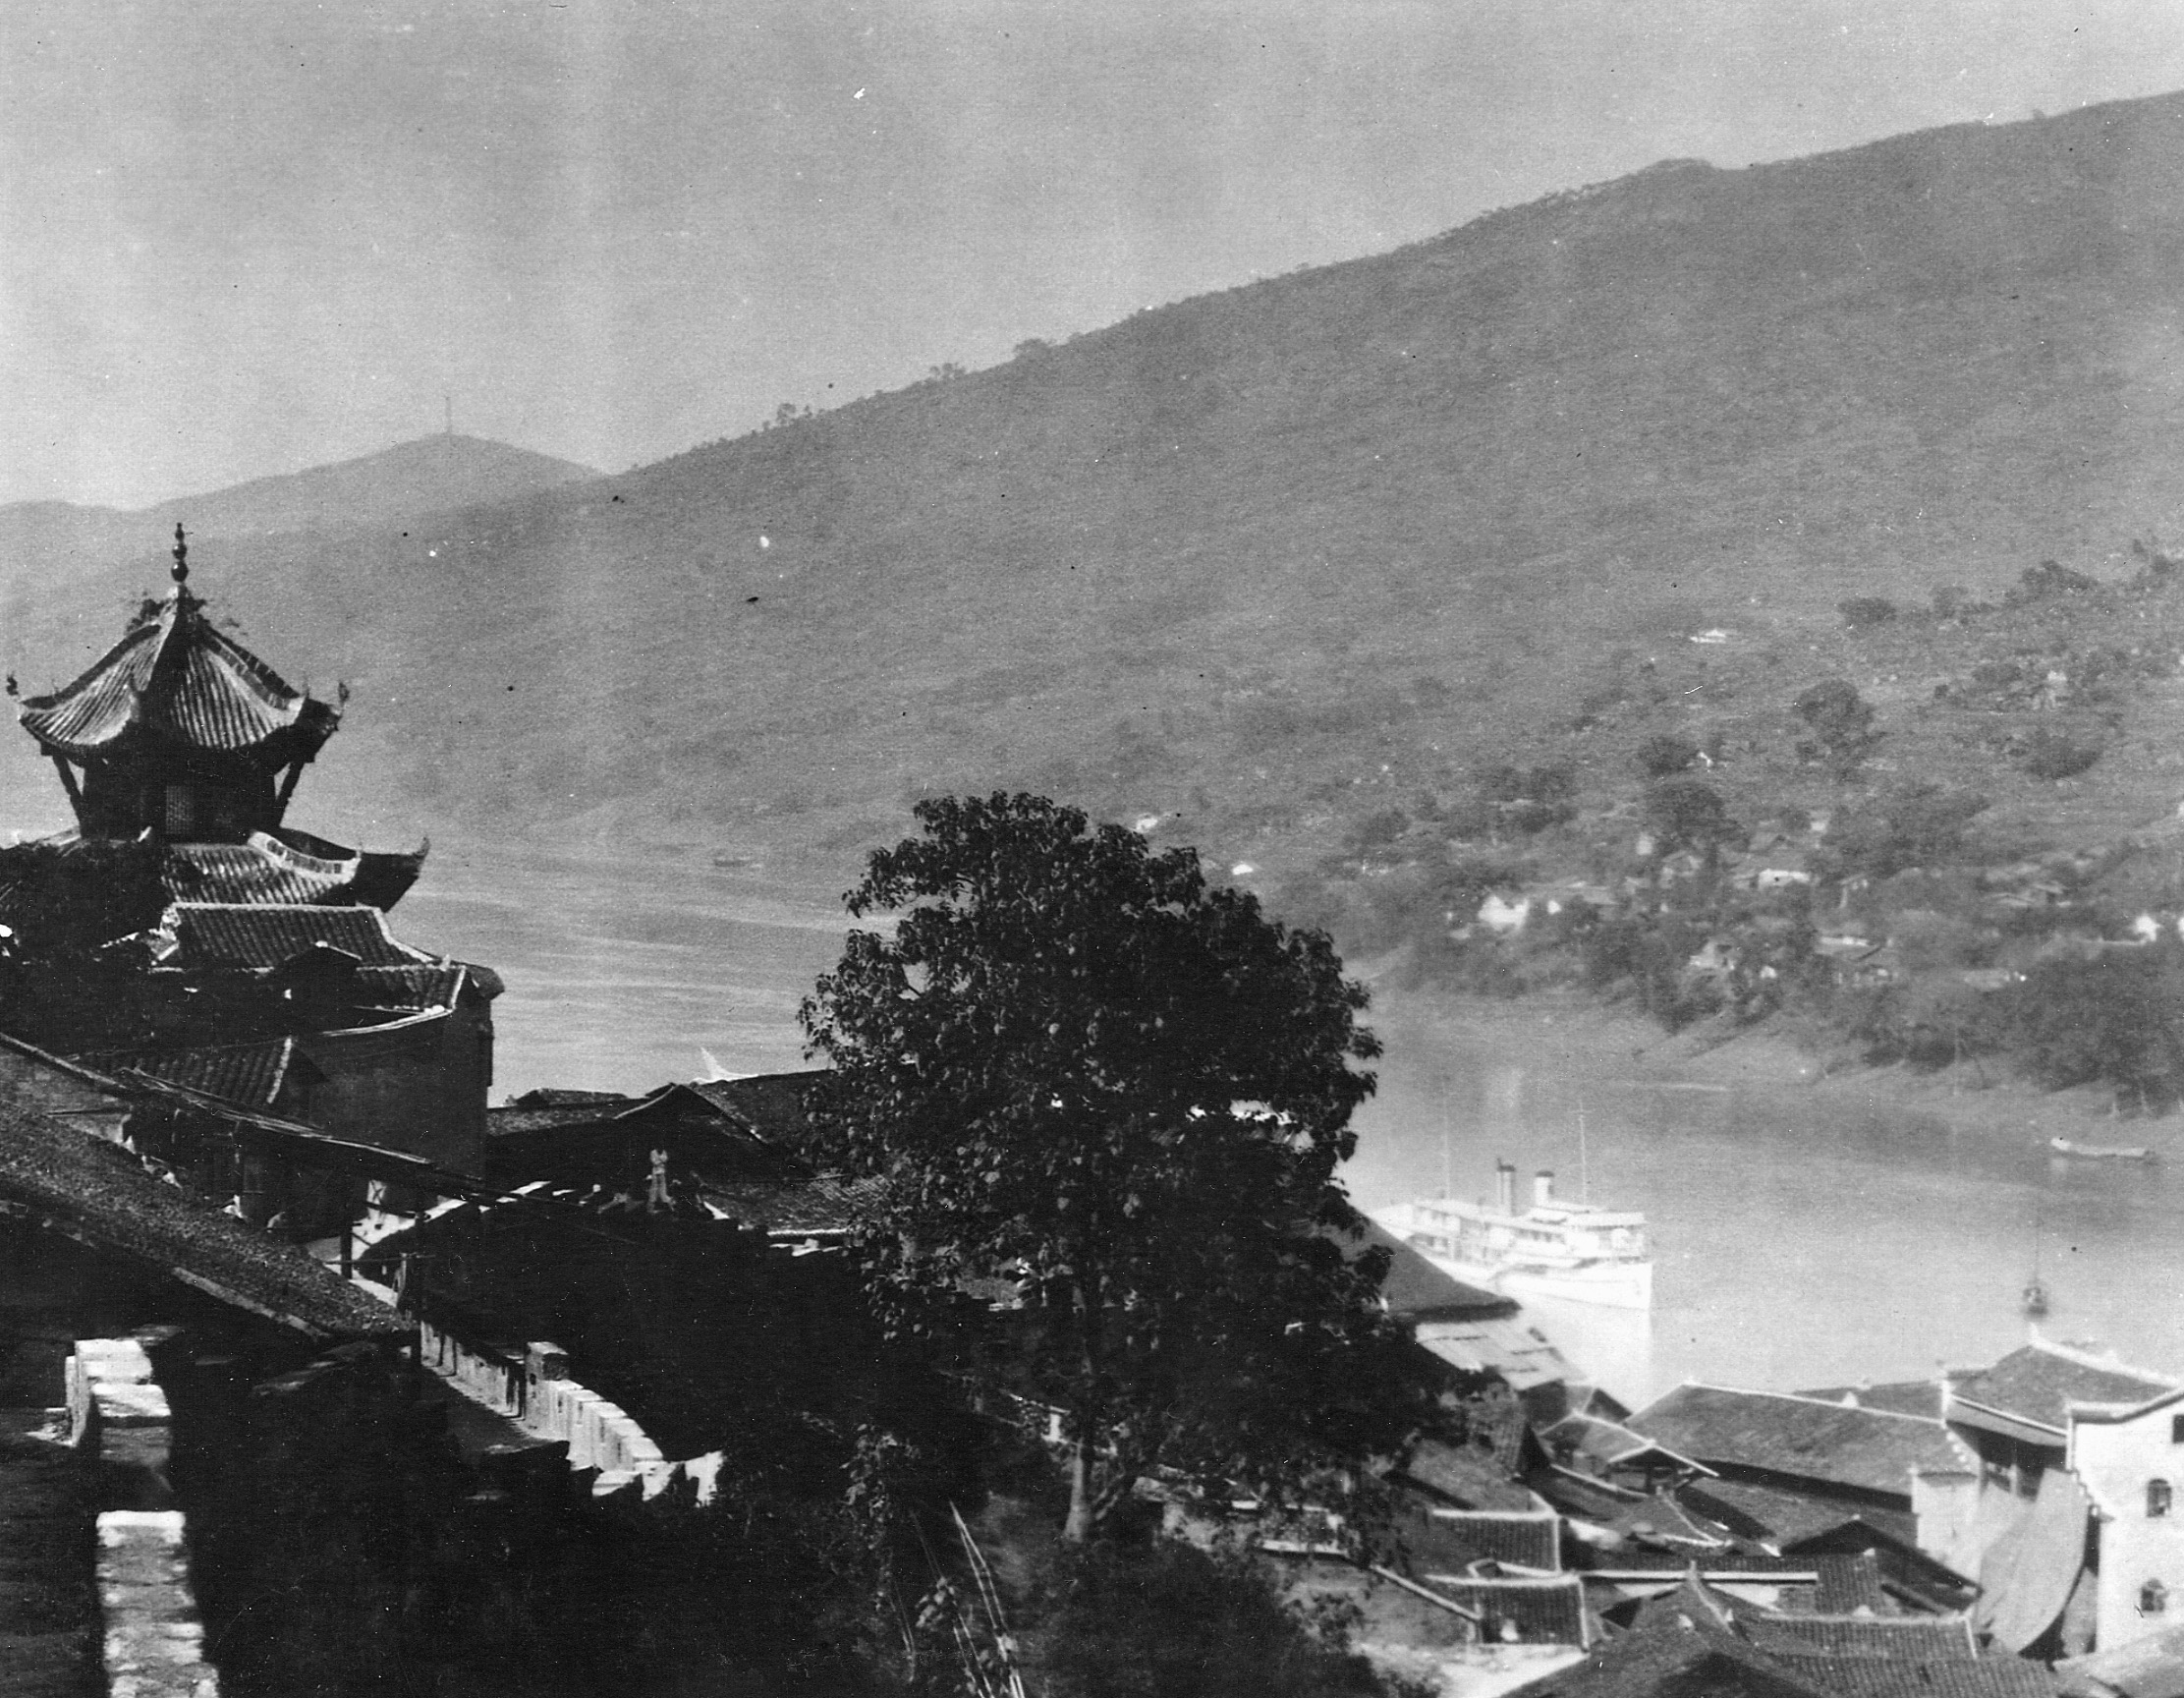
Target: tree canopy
pixel 1087 1074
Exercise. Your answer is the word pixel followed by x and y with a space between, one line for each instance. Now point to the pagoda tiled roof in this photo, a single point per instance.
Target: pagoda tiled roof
pixel 251 1074
pixel 270 869
pixel 176 678
pixel 263 935
pixel 435 984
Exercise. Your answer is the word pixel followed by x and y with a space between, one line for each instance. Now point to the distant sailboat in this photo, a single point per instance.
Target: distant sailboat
pixel 2034 1299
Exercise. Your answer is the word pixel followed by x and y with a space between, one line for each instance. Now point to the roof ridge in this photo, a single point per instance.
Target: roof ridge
pixel 1796 1397
pixel 2110 1363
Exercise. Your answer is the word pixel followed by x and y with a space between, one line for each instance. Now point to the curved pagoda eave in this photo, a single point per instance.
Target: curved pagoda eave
pixel 176 689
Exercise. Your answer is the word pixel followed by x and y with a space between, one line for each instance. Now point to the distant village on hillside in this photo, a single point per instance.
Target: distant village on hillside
pixel 322 1369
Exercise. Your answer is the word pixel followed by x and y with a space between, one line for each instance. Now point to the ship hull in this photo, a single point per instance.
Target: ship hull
pixel 1620 1284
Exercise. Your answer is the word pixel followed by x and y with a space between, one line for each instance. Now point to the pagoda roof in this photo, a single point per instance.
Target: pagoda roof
pixel 176 679
pixel 286 867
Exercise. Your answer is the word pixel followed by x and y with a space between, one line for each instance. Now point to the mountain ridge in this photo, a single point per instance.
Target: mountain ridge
pixel 1251 558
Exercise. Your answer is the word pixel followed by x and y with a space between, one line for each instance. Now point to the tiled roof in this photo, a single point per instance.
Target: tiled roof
pixel 309 1147
pixel 251 1074
pixel 1507 1345
pixel 1919 1638
pixel 1841 1583
pixel 270 869
pixel 1451 1540
pixel 1947 1677
pixel 1666 1521
pixel 769 1104
pixel 262 870
pixel 265 936
pixel 2148 1668
pixel 1901 1397
pixel 425 986
pixel 1546 1611
pixel 96 1193
pixel 1417 1291
pixel 1467 1476
pixel 557 1096
pixel 522 1117
pixel 1676 1654
pixel 1604 1444
pixel 175 677
pixel 2036 1383
pixel 797 1208
pixel 1786 1517
pixel 1871 1449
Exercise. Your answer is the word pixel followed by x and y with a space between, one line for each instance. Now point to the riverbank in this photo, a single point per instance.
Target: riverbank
pixel 1605 1044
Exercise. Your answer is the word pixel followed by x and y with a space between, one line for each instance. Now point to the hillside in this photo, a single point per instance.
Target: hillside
pixel 1265 560
pixel 50 539
pixel 429 474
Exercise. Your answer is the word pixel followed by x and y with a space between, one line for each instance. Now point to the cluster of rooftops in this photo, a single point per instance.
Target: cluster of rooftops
pixel 1999 1531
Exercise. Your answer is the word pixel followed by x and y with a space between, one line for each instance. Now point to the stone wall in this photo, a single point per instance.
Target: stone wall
pixel 118 1416
pixel 531 1387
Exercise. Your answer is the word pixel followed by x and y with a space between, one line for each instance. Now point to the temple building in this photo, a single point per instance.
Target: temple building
pixel 273 942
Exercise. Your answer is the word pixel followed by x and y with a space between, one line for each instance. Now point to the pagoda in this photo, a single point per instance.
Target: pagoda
pixel 272 981
pixel 180 733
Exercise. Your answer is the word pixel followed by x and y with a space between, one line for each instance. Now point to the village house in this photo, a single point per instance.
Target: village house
pixel 1792 1468
pixel 2058 1565
pixel 2130 1460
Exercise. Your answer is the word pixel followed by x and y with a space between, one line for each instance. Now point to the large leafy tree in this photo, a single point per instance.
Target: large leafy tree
pixel 1085 1073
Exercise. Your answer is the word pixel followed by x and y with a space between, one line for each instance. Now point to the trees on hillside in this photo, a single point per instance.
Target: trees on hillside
pixel 1087 1074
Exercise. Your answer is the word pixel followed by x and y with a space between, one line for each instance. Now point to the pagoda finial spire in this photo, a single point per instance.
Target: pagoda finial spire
pixel 180 570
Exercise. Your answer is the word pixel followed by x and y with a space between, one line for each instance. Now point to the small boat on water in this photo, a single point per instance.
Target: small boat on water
pixel 1557 1248
pixel 2104 1151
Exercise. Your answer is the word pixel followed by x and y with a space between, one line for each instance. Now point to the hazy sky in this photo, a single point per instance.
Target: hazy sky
pixel 238 238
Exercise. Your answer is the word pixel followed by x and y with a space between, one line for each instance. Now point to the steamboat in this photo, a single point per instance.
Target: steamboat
pixel 1576 1251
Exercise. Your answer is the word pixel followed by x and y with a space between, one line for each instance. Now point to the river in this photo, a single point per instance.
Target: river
pixel 1804 1236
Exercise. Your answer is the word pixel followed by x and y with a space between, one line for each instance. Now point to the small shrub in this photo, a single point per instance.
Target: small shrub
pixel 2057 754
pixel 1664 755
pixel 2046 579
pixel 1862 612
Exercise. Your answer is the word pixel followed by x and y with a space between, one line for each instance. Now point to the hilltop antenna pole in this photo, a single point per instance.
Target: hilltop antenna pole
pixel 1448 1179
pixel 1585 1167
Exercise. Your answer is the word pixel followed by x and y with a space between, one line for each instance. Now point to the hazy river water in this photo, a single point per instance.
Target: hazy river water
pixel 1803 1237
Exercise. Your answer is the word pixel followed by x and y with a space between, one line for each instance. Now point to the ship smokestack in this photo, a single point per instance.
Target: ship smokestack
pixel 1542 1189
pixel 1505 1187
